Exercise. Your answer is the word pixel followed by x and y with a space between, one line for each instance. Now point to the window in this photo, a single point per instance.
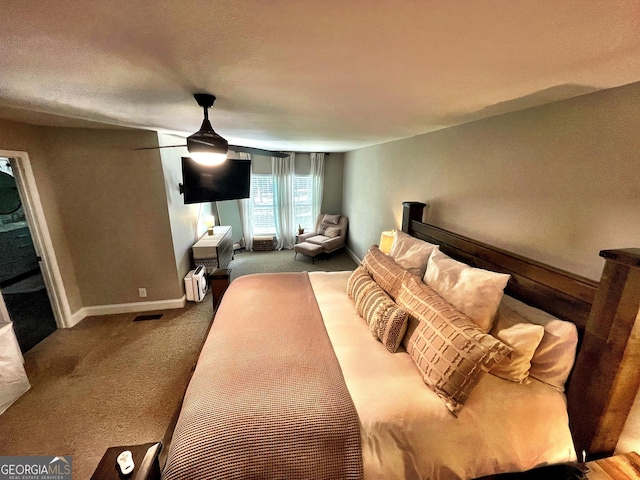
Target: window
pixel 263 208
pixel 302 202
pixel 262 199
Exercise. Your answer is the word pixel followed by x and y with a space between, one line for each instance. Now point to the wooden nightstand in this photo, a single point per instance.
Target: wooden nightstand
pixel 619 467
pixel 219 280
pixel 145 458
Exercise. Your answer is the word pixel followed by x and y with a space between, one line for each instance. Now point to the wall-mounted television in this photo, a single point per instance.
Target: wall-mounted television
pixel 229 181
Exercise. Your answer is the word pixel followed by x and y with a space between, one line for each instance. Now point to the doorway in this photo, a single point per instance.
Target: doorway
pixel 22 284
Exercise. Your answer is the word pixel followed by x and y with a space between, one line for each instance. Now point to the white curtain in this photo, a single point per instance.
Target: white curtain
pixel 282 170
pixel 317 184
pixel 246 213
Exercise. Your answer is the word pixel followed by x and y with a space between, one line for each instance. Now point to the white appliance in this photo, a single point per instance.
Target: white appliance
pixel 195 284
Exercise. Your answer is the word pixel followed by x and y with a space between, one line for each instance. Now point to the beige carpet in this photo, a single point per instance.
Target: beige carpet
pixel 111 381
pixel 107 381
pixel 286 261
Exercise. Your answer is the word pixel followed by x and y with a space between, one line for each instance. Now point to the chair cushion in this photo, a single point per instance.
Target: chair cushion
pixel 318 239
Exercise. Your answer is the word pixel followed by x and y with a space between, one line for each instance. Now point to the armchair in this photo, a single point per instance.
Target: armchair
pixel 330 232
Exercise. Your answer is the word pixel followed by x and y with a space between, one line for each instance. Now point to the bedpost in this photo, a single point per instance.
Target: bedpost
pixel 411 211
pixel 605 379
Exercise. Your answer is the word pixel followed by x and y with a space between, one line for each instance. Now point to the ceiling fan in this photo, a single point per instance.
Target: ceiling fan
pixel 206 146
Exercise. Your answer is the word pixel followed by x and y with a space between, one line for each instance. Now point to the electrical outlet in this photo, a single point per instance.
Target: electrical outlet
pixel 142 292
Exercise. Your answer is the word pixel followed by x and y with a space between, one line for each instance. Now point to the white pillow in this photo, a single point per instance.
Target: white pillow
pixel 411 253
pixel 331 219
pixel 553 360
pixel 523 337
pixel 473 291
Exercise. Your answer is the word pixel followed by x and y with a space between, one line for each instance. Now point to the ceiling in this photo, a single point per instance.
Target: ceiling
pixel 307 75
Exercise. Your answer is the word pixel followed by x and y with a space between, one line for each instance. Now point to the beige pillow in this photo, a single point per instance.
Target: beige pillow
pixel 554 358
pixel 523 337
pixel 331 219
pixel 411 253
pixel 386 273
pixel 387 322
pixel 332 232
pixel 449 350
pixel 473 291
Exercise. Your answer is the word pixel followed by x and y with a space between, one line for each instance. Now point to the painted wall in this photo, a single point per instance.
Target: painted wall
pixel 112 205
pixel 557 183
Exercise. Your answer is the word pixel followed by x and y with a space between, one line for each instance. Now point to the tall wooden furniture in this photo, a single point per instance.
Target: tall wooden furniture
pixel 214 251
pixel 605 379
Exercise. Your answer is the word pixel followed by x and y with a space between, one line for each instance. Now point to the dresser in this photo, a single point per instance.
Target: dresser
pixel 214 251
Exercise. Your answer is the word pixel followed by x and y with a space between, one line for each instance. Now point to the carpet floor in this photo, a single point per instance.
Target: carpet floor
pixel 113 381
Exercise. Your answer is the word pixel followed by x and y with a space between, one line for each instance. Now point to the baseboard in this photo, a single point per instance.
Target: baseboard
pixel 353 256
pixel 84 312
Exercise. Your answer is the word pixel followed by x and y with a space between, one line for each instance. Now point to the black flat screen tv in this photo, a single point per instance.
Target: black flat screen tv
pixel 229 181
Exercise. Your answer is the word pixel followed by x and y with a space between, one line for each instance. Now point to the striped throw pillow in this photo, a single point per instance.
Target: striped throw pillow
pixel 387 322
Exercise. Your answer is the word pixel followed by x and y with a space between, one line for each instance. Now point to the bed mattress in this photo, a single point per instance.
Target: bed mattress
pixel 407 432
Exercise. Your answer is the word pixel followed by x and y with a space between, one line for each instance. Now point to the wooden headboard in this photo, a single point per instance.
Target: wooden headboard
pixel 605 379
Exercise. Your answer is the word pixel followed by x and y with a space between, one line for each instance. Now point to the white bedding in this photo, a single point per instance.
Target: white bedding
pixel 407 432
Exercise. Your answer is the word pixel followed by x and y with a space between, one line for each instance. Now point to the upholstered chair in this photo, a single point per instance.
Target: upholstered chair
pixel 330 232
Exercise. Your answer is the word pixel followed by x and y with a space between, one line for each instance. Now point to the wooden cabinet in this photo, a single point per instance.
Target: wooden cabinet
pixel 214 251
pixel 219 280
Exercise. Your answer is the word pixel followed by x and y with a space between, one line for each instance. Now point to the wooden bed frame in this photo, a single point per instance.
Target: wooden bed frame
pixel 605 377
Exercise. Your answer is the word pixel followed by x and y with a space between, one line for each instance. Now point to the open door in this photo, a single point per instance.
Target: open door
pixel 21 281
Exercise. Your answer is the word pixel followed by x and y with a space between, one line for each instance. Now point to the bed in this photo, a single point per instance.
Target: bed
pixel 291 384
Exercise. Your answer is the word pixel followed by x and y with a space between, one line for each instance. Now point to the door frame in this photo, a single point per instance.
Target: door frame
pixel 34 213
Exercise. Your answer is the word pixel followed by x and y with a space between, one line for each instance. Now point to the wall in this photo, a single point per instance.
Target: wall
pixel 557 183
pixel 112 205
pixel 332 194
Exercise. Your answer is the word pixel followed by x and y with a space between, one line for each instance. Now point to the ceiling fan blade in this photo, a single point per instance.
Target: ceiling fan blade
pixel 257 151
pixel 156 148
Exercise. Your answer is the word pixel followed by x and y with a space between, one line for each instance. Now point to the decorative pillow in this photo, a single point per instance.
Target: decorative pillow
pixel 553 359
pixel 523 337
pixel 449 350
pixel 473 291
pixel 387 322
pixel 411 253
pixel 334 219
pixel 357 281
pixel 386 273
pixel 322 228
pixel 332 232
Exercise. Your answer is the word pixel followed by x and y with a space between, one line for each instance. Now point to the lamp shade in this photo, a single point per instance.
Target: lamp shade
pixel 386 240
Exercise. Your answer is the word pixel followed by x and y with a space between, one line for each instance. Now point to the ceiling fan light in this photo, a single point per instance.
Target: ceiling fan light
pixel 206 146
pixel 209 159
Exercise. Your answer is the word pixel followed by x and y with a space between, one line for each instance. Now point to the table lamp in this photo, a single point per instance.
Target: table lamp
pixel 386 240
pixel 210 222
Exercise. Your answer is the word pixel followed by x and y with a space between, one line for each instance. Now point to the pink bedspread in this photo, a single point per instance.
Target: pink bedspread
pixel 267 398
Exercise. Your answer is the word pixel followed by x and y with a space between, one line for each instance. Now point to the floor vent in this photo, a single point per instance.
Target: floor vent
pixel 153 316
